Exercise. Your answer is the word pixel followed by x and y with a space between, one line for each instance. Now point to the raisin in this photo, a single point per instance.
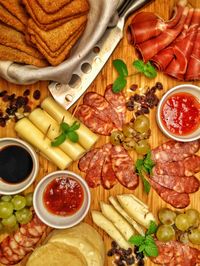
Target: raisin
pixel 36 95
pixel 26 92
pixel 11 111
pixel 139 255
pixel 1 113
pixel 6 117
pixel 110 252
pixel 130 106
pixel 159 86
pixel 141 263
pixel 139 112
pixel 11 97
pixel 133 87
pixel 119 263
pixel 136 249
pixel 5 98
pixel 2 122
pixel 27 109
pixel 21 101
pixel 2 93
pixel 114 244
pixel 145 110
pixel 130 260
pixel 129 251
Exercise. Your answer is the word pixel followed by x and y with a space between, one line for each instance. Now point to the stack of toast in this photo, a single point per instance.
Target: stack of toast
pixel 40 32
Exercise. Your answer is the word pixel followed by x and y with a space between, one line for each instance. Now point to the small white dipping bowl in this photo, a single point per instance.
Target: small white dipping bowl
pixel 11 189
pixel 57 221
pixel 188 88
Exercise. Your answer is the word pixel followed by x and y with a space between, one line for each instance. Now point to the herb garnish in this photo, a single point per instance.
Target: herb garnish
pixel 66 132
pixel 146 243
pixel 147 69
pixel 145 166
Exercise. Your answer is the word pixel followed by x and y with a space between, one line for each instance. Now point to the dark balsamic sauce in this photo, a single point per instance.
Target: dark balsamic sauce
pixel 16 164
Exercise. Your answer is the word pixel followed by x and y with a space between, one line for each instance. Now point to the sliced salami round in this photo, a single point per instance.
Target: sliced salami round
pixel 84 162
pixel 89 117
pixel 25 241
pixel 123 167
pixel 118 103
pixel 174 151
pixel 104 109
pixel 180 184
pixel 19 250
pixel 165 251
pixel 8 253
pixel 177 200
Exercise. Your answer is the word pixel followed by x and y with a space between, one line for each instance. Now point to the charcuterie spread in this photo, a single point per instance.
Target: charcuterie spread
pixel 115 179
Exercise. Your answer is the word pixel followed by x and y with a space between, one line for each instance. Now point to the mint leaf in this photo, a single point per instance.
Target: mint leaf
pixel 64 127
pixel 141 248
pixel 149 240
pixel 149 71
pixel 119 84
pixel 146 184
pixel 139 65
pixel 73 136
pixel 58 140
pixel 152 228
pixel 137 240
pixel 139 165
pixel 151 250
pixel 121 67
pixel 74 126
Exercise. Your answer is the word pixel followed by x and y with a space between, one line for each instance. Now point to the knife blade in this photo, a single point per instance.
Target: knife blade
pixel 83 76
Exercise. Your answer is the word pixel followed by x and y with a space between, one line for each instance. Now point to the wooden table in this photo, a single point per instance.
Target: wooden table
pixel 127 53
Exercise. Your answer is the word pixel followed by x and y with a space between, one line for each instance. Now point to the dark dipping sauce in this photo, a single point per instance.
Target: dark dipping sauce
pixel 63 196
pixel 16 164
pixel 180 114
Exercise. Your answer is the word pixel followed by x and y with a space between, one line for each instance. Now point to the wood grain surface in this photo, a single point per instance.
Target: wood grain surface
pixel 126 52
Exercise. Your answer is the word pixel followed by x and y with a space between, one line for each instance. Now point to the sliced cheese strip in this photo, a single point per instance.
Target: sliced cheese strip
pixel 86 137
pixel 27 131
pixel 48 125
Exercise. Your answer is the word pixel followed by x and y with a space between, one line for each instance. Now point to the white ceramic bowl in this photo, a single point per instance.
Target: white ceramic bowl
pixel 189 88
pixel 57 221
pixel 11 189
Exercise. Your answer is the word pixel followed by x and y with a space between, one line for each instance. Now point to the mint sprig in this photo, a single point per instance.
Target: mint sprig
pixel 146 243
pixel 67 131
pixel 145 166
pixel 120 83
pixel 147 69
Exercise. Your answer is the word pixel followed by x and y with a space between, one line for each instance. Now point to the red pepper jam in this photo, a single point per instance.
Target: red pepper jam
pixel 63 196
pixel 181 113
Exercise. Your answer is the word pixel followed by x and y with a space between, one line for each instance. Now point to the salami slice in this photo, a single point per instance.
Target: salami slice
pixel 177 200
pixel 89 117
pixel 186 167
pixel 93 174
pixel 117 101
pixel 180 184
pixel 108 177
pixel 123 167
pixel 84 162
pixel 21 251
pixel 174 151
pixel 104 109
pixel 25 241
pixel 8 253
pixel 165 251
pixel 3 259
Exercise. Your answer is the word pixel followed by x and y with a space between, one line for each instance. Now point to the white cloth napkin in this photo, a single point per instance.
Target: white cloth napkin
pixel 101 11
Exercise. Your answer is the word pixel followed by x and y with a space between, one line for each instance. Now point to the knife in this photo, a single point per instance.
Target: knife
pixel 91 65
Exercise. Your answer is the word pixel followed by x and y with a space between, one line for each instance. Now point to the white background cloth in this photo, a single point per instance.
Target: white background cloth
pixel 100 14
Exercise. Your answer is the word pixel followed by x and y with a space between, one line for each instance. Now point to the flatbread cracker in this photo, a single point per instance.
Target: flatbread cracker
pixel 15 39
pixel 11 54
pixel 50 6
pixel 11 20
pixel 36 39
pixel 74 8
pixel 55 38
pixel 54 61
pixel 16 9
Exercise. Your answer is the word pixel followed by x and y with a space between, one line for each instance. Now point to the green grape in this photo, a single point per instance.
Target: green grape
pixel 116 137
pixel 142 147
pixel 182 222
pixel 194 236
pixel 167 216
pixel 19 202
pixel 1 227
pixel 128 131
pixel 141 123
pixel 129 144
pixel 24 216
pixel 193 216
pixel 6 198
pixel 29 199
pixel 10 230
pixel 10 221
pixel 6 209
pixel 165 233
pixel 184 238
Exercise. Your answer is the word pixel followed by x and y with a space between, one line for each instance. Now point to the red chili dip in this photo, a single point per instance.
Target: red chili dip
pixel 180 113
pixel 63 196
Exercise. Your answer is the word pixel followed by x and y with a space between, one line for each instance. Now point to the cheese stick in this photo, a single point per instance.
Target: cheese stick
pixel 48 125
pixel 27 131
pixel 86 137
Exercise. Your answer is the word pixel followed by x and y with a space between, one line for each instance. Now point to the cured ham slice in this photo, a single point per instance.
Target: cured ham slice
pixel 152 46
pixel 137 30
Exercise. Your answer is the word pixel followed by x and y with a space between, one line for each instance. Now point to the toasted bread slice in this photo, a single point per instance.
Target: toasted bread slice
pixel 50 6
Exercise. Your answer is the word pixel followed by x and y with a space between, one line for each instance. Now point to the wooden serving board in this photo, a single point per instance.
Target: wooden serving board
pixel 127 53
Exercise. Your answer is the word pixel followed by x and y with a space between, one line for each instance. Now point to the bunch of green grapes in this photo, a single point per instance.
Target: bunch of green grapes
pixel 134 135
pixel 15 210
pixel 183 226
